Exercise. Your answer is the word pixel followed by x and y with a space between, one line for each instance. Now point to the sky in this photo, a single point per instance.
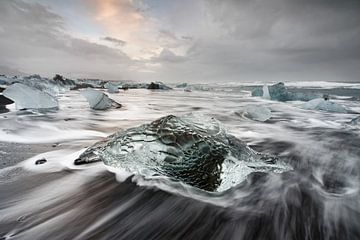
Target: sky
pixel 183 40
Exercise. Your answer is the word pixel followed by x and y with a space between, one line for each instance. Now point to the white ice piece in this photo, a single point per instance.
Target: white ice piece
pixel 258 113
pixel 97 100
pixel 112 88
pixel 324 105
pixel 266 94
pixel 26 97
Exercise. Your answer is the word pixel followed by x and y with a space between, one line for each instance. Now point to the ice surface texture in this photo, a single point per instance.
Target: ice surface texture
pixel 26 97
pixel 98 100
pixel 194 150
pixel 323 105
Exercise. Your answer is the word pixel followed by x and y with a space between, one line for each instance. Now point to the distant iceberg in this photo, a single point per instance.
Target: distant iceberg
pixel 112 88
pixel 98 100
pixel 182 85
pixel 158 85
pixel 323 105
pixel 279 92
pixel 26 97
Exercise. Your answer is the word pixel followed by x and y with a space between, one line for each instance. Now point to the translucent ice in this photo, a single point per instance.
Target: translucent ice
pixel 266 94
pixel 98 100
pixel 112 88
pixel 323 105
pixel 279 92
pixel 258 113
pixel 193 149
pixel 26 97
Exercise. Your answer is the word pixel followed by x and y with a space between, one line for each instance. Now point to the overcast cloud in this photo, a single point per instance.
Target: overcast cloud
pixel 177 41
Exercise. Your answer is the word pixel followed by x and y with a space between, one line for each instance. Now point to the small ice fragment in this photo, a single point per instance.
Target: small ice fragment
pixel 112 88
pixel 258 113
pixel 98 100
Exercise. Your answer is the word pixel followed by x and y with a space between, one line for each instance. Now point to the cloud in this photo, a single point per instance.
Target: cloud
pixel 269 40
pixel 115 41
pixel 33 39
pixel 205 40
pixel 167 55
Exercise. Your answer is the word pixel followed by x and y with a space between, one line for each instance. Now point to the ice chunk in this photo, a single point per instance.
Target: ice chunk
pixel 266 94
pixel 98 100
pixel 182 85
pixel 258 113
pixel 193 149
pixel 355 121
pixel 279 92
pixel 323 105
pixel 112 88
pixel 26 97
pixel 187 89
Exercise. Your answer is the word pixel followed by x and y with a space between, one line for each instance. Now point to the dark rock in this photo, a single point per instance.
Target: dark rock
pixel 81 86
pixel 40 161
pixel 158 85
pixel 3 109
pixel 5 101
pixel 61 81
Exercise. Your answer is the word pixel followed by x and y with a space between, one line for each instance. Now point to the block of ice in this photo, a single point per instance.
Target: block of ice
pixel 258 113
pixel 98 100
pixel 193 149
pixel 111 88
pixel 323 105
pixel 279 92
pixel 26 97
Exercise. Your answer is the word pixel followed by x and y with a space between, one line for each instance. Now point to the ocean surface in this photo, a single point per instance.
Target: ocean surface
pixel 317 197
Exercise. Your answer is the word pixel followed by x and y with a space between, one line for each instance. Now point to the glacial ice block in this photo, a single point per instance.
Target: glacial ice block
pixel 323 105
pixel 26 97
pixel 279 92
pixel 193 149
pixel 112 88
pixel 258 113
pixel 98 100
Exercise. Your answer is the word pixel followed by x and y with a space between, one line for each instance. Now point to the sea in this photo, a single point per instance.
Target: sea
pixel 317 197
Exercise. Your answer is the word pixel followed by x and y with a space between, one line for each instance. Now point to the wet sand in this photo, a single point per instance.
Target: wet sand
pixel 13 153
